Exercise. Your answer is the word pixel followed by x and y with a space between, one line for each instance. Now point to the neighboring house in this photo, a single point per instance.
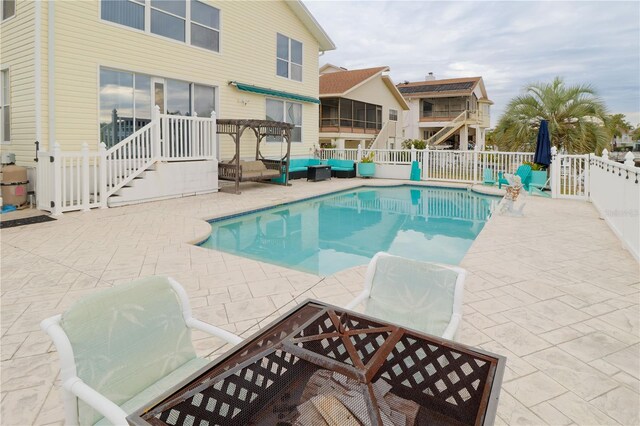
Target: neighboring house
pixel 360 107
pixel 452 113
pixel 76 72
pixel 624 140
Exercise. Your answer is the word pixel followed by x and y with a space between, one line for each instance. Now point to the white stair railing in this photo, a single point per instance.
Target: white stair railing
pixel 442 134
pixel 381 139
pixel 81 180
pixel 130 157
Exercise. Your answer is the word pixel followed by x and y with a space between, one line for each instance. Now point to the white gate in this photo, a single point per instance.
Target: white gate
pixel 570 176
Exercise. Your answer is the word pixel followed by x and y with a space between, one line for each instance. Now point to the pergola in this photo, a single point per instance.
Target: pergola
pixel 233 170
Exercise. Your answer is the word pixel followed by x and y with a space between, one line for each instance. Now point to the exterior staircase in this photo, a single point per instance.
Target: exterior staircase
pixel 381 139
pixel 171 156
pixel 451 127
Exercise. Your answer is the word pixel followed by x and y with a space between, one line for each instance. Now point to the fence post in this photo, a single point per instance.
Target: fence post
pixel 102 158
pixel 155 133
pixel 425 163
pixel 629 159
pixel 475 167
pixel 413 153
pixel 214 135
pixel 56 209
pixel 85 177
pixel 587 176
pixel 359 155
pixel 605 154
pixel 194 138
pixel 554 173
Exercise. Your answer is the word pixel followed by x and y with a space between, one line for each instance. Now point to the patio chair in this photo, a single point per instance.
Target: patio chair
pixel 423 296
pixel 524 171
pixel 487 177
pixel 123 347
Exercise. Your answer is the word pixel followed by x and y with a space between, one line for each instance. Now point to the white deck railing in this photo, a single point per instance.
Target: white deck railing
pixel 81 180
pixel 68 181
pixel 440 165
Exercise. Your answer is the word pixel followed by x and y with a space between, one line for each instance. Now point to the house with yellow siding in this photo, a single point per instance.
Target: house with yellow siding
pixel 88 74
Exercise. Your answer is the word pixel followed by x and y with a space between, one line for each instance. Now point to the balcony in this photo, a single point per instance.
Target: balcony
pixel 334 125
pixel 341 115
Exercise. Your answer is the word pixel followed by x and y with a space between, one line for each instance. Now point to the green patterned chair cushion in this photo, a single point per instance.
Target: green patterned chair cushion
pixel 158 388
pixel 413 294
pixel 127 338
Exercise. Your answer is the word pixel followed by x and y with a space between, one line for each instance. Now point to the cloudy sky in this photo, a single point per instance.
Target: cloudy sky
pixel 510 44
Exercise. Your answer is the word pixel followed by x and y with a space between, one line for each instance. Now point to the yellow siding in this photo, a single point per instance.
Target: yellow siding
pixel 17 52
pixel 83 43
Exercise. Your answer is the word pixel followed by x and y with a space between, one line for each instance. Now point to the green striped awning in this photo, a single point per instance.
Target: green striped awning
pixel 275 93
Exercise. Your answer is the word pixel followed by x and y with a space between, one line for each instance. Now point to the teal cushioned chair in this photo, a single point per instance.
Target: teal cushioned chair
pixel 423 296
pixel 487 177
pixel 125 346
pixel 524 171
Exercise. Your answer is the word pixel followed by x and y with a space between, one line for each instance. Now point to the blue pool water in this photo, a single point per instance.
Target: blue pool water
pixel 327 234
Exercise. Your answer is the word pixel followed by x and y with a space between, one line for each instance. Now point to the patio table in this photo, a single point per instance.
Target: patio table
pixel 265 379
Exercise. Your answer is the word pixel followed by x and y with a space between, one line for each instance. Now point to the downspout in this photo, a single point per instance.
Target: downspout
pixel 51 67
pixel 38 69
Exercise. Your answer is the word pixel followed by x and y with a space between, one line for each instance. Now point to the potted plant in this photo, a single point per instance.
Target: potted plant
pixel 538 174
pixel 366 166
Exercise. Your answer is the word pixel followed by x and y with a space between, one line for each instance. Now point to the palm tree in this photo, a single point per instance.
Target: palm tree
pixel 575 115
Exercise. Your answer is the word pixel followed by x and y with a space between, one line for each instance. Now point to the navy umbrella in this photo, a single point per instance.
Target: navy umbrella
pixel 543 145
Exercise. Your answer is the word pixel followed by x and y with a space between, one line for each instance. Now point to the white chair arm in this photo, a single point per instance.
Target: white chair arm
pixel 358 300
pixel 452 328
pixel 97 401
pixel 213 330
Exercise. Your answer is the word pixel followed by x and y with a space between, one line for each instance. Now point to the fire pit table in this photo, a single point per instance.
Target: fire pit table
pixel 321 364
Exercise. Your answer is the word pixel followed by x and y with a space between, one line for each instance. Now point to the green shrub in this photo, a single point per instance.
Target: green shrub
pixel 534 166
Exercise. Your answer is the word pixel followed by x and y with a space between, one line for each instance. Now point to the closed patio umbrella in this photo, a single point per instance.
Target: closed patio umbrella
pixel 543 145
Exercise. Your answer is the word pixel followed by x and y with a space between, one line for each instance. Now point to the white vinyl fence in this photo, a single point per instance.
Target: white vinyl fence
pixel 440 165
pixel 82 180
pixel 615 192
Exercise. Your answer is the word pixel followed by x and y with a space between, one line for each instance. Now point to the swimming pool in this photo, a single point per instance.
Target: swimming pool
pixel 334 232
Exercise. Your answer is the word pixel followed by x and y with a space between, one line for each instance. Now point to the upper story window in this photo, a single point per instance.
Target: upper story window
pixel 168 18
pixel 393 114
pixel 189 21
pixel 8 9
pixel 289 58
pixel 5 109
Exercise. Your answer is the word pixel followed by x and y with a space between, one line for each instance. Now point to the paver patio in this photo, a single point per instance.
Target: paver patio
pixel 553 291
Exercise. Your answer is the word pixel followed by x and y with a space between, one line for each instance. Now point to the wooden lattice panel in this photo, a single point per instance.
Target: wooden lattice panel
pixel 453 381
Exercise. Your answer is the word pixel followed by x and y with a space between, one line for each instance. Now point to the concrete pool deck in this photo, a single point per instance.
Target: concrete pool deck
pixel 553 291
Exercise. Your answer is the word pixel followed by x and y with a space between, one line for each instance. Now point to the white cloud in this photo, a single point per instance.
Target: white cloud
pixel 510 44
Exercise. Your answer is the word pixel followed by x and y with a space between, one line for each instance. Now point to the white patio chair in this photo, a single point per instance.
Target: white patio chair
pixel 420 295
pixel 124 346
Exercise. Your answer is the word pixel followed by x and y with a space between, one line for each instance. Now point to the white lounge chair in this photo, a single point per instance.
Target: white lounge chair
pixel 420 295
pixel 124 346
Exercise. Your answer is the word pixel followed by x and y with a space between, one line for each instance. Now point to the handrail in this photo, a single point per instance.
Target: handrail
pixel 129 158
pixel 382 136
pixel 443 133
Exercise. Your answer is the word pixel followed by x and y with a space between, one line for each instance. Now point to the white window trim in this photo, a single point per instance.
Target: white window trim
pixel 15 12
pixel 147 26
pixel 284 114
pixel 394 110
pixel 4 68
pixel 289 61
